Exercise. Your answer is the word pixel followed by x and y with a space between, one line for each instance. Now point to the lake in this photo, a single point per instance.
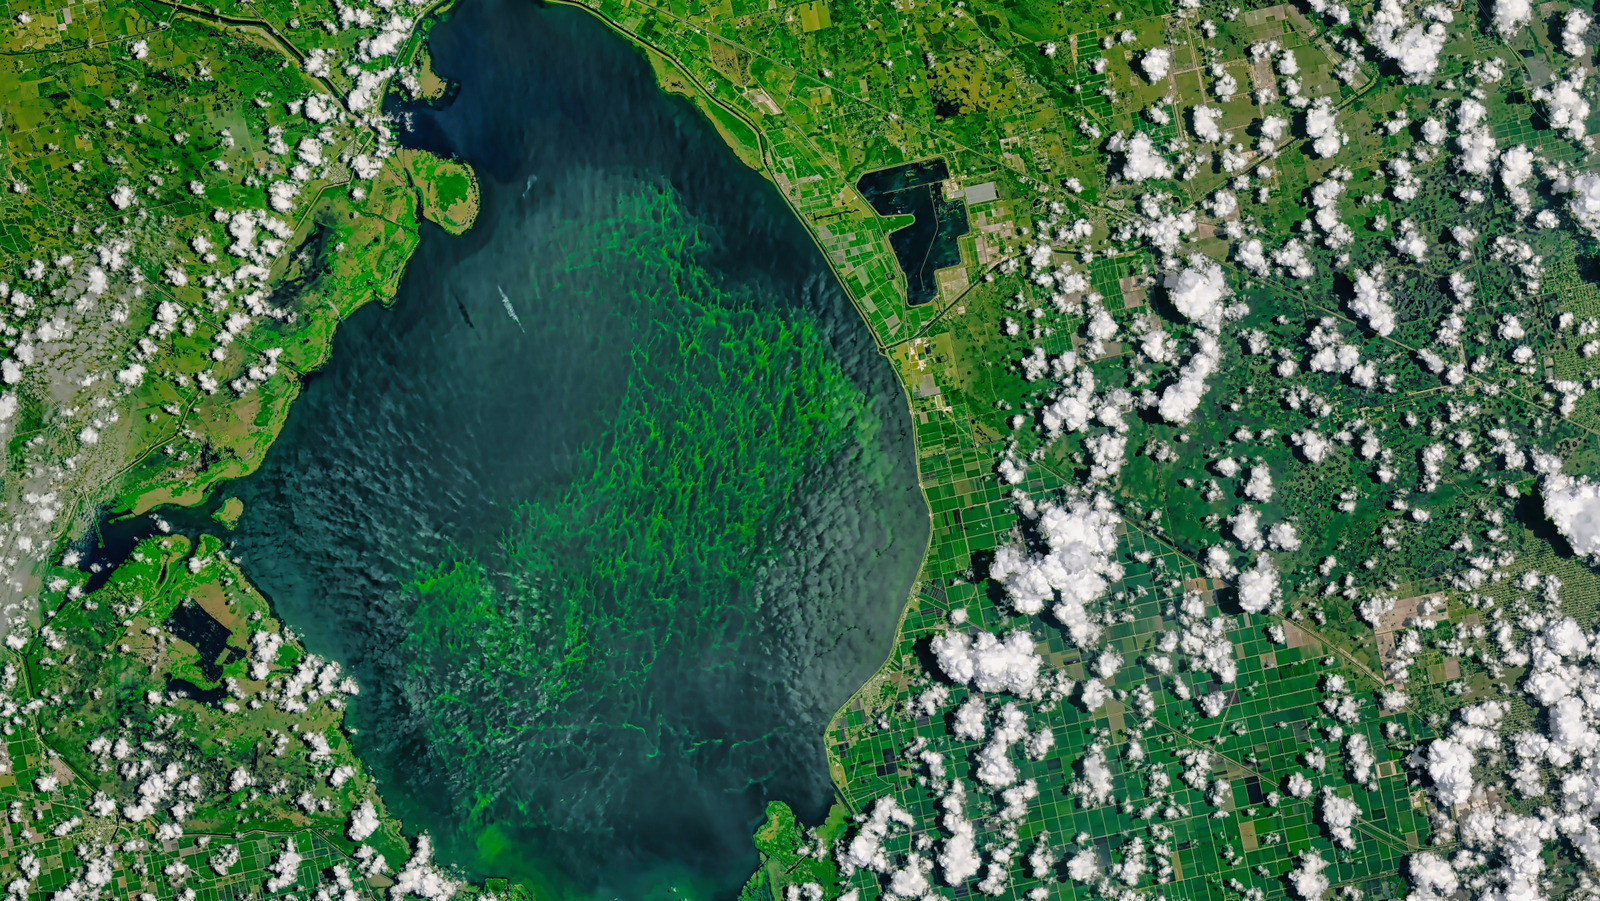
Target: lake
pixel 604 567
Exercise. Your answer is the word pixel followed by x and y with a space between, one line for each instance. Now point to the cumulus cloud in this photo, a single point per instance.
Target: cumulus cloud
pixel 367 89
pixel 1258 587
pixel 1322 128
pixel 1477 151
pixel 363 822
pixel 1449 765
pixel 1251 254
pixel 1574 29
pixel 421 878
pixel 1413 47
pixel 1371 301
pixel 959 859
pixel 1181 398
pixel 1205 123
pixel 1573 507
pixel 1339 814
pixel 1156 62
pixel 1077 569
pixel 1511 15
pixel 1564 102
pixel 994 765
pixel 1431 876
pixel 318 63
pixel 1585 203
pixel 1516 168
pixel 285 868
pixel 988 663
pixel 1198 292
pixel 968 721
pixel 1095 786
pixel 1140 159
pixel 865 848
pixel 1306 880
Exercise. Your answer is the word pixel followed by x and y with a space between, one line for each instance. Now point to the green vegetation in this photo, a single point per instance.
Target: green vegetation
pixel 195 199
pixel 169 661
pixel 1417 593
pixel 449 190
pixel 788 853
pixel 228 514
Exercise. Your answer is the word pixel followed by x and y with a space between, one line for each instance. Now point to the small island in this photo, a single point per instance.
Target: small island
pixel 228 514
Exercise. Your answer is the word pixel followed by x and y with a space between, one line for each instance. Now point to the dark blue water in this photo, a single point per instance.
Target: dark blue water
pixel 439 419
pixel 929 243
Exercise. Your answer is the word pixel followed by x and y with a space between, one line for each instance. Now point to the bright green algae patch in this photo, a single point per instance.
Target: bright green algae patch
pixel 545 646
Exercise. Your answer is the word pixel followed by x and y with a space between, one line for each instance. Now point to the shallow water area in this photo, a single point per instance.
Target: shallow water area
pixel 614 506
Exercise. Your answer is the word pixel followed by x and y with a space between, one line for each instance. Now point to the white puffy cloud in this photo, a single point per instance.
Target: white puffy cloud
pixel 285 868
pixel 1259 486
pixel 988 663
pixel 1312 445
pixel 1181 398
pixel 367 88
pixel 387 40
pixel 1251 254
pixel 1083 866
pixel 1574 29
pixel 1205 123
pixel 968 720
pixel 1413 47
pixel 1585 203
pixel 1339 814
pixel 1371 301
pixel 911 880
pixel 1322 128
pixel 318 63
pixel 1156 62
pixel 1077 569
pixel 320 108
pixel 1573 506
pixel 1449 765
pixel 1258 587
pixel 994 766
pixel 959 859
pixel 1432 878
pixel 1411 243
pixel 1246 528
pixel 1140 159
pixel 363 822
pixel 1291 255
pixel 1477 151
pixel 1564 102
pixel 1198 292
pixel 1095 786
pixel 1306 880
pixel 865 848
pixel 1511 15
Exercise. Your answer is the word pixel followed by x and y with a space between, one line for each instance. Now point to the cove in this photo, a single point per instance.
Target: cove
pixel 604 568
